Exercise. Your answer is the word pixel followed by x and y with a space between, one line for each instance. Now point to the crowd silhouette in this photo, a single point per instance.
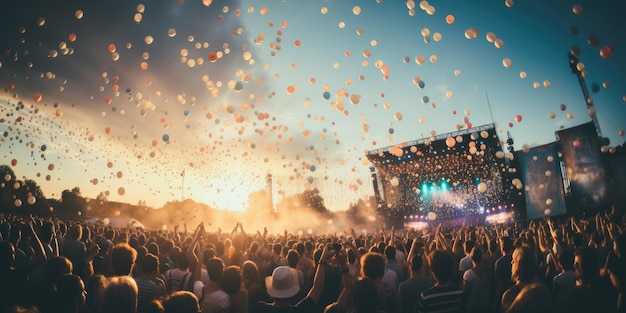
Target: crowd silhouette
pixel 558 264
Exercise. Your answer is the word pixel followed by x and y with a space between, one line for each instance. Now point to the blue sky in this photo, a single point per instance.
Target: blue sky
pixel 265 98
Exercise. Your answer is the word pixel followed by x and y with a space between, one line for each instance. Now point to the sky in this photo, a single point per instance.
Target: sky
pixel 158 101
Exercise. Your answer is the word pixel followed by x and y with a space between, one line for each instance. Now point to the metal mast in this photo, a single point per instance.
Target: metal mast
pixel 578 71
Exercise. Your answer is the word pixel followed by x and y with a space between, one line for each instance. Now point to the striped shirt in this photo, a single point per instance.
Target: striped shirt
pixel 441 299
pixel 146 293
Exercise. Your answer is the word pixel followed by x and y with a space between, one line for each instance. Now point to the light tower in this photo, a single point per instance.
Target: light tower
pixel 578 69
pixel 268 191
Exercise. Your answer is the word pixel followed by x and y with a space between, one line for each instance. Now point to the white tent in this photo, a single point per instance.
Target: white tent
pixel 117 222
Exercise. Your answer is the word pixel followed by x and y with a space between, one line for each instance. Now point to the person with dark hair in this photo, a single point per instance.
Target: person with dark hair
pixel 212 298
pixel 69 294
pixel 592 291
pixel 176 278
pixel 419 281
pixel 365 296
pixel 14 279
pixel 292 261
pixel 147 289
pixel 393 265
pixel 123 258
pixel 444 296
pixel 565 281
pixel 476 283
pixel 502 271
pixel 231 283
pixel 95 293
pixel 466 262
pixel 181 302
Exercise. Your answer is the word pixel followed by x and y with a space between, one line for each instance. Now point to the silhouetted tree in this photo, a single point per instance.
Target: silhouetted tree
pixel 72 202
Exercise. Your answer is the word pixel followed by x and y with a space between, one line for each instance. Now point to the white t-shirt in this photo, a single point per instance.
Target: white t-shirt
pixel 211 302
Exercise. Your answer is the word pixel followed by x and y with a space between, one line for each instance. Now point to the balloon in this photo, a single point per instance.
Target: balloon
pixel 450 142
pixel 577 9
pixel 525 148
pixel 18 203
pixel 326 95
pixel 425 99
pixel 31 200
pixel 506 62
pixel 432 216
pixel 563 107
pixel 14 162
pixel 606 51
pixel 450 19
pixel 482 187
pixel 621 133
pixel 518 118
pixel 166 137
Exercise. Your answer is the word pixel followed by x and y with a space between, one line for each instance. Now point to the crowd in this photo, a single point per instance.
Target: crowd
pixel 550 265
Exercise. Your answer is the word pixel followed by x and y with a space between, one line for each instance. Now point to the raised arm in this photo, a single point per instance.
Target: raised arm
pixel 320 275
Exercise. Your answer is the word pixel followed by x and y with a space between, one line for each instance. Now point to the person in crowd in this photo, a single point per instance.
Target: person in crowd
pixel 181 302
pixel 74 249
pixel 212 299
pixel 231 283
pixel 252 282
pixel 419 281
pixel 615 267
pixel 175 278
pixel 476 283
pixel 535 298
pixel 146 287
pixel 393 265
pixel 524 270
pixel 502 271
pixel 466 262
pixel 120 295
pixel 283 284
pixel 95 293
pixel 123 258
pixel 565 281
pixel 444 295
pixel 69 294
pixel 292 261
pixel 373 267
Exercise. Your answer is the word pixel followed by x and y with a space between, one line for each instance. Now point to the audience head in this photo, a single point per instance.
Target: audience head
pixel 120 295
pixel 123 258
pixel 586 267
pixel 292 258
pixel 181 302
pixel 69 293
pixel 390 253
pixel 364 296
pixel 506 245
pixel 416 263
pixel 215 268
pixel 250 271
pixel 150 264
pixel 55 267
pixel 230 282
pixel 524 266
pixel 441 266
pixel 373 265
